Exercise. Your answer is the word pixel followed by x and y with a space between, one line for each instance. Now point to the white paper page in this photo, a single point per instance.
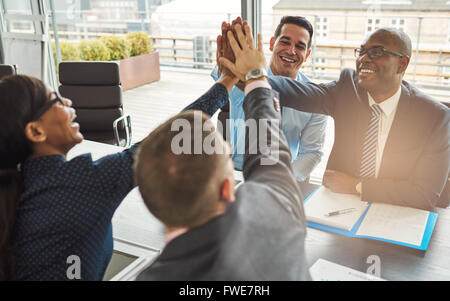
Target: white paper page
pixel 403 224
pixel 323 270
pixel 324 201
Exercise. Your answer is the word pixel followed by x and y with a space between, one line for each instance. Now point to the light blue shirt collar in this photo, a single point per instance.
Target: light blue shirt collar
pixel 299 74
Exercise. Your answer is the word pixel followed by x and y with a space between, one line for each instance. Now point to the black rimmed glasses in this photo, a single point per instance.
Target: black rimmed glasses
pixel 375 52
pixel 47 106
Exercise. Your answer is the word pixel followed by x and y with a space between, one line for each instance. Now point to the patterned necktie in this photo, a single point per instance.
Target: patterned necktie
pixel 369 154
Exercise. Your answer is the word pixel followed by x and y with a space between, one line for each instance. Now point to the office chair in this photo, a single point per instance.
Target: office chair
pixel 6 70
pixel 96 94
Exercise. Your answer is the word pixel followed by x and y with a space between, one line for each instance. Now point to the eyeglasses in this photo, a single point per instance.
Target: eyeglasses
pixel 375 52
pixel 47 106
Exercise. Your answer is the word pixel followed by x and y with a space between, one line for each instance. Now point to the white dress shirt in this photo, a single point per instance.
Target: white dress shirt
pixel 388 107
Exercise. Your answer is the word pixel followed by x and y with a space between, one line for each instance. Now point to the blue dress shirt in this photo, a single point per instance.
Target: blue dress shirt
pixel 305 132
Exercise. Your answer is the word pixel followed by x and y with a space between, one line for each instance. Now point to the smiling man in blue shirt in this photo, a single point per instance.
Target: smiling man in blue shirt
pixel 305 132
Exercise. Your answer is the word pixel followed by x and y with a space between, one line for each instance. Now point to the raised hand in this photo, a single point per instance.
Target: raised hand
pixel 240 85
pixel 247 57
pixel 222 46
pixel 225 47
pixel 227 78
pixel 235 22
pixel 224 50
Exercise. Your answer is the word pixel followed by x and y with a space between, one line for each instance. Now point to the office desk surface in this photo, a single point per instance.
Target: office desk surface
pixel 132 222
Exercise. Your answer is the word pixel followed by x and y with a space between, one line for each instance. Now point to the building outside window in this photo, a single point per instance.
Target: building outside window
pixel 445 78
pixel 398 23
pixel 373 23
pixel 448 33
pixel 321 27
pixel 320 64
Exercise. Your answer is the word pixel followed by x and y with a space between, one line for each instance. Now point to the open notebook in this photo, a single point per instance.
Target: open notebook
pixel 394 224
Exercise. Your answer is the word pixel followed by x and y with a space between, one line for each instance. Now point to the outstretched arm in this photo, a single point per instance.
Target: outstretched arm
pixel 267 166
pixel 217 96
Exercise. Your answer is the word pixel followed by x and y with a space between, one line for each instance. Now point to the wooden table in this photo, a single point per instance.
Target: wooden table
pixel 132 222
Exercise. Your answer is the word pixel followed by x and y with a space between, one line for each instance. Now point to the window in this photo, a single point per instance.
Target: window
pixel 320 64
pixel 448 33
pixel 17 7
pixel 445 78
pixel 398 23
pixel 373 23
pixel 321 27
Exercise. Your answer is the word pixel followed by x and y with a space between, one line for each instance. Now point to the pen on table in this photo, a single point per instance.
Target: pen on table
pixel 340 211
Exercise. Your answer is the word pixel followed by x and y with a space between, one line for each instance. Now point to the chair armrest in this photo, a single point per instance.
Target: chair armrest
pixel 128 133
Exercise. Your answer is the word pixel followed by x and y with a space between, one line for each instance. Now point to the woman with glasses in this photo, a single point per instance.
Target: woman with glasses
pixel 56 213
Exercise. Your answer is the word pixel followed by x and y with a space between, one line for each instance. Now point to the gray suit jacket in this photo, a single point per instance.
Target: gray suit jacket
pixel 261 235
pixel 416 159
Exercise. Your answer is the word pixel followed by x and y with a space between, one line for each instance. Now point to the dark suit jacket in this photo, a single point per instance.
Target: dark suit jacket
pixel 415 162
pixel 261 235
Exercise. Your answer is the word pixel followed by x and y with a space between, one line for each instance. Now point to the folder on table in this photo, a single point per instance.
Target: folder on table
pixel 394 224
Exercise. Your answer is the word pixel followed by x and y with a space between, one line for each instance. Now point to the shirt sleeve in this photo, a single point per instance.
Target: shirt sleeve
pixel 256 84
pixel 305 96
pixel 215 98
pixel 268 168
pixel 215 73
pixel 311 144
pixel 114 175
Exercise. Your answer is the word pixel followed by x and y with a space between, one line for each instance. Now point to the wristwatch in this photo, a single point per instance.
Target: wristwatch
pixel 256 73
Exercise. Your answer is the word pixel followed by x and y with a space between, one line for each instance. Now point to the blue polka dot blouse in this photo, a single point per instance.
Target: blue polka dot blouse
pixel 65 210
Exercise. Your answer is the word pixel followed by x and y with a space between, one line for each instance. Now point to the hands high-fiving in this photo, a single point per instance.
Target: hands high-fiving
pixel 243 56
